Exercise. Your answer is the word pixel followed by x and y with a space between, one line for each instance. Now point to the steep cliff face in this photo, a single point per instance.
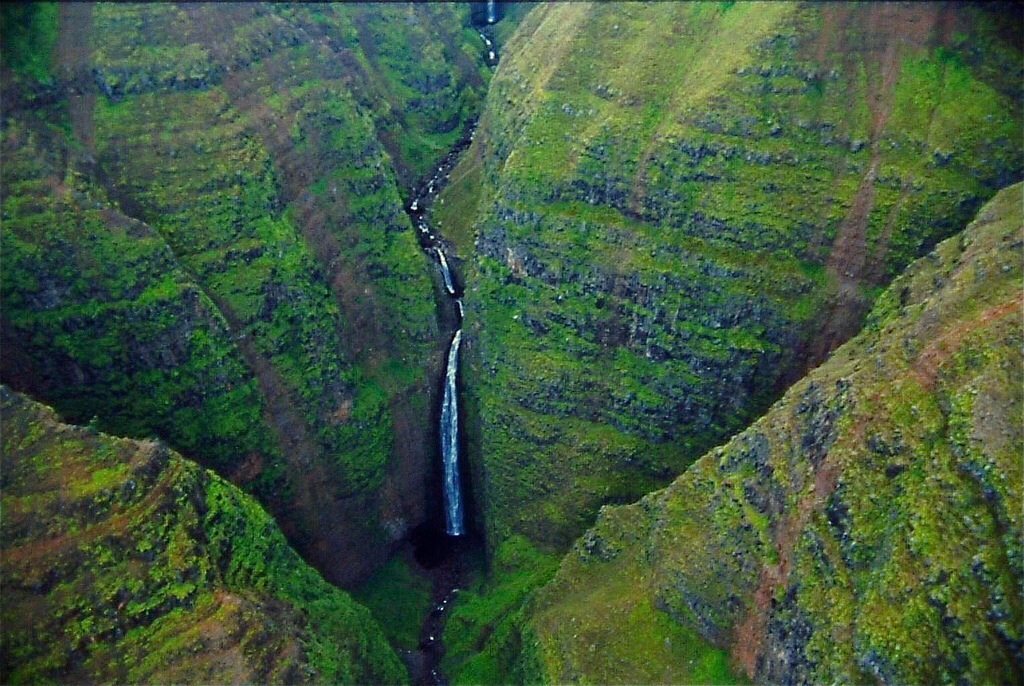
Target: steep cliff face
pixel 868 527
pixel 204 240
pixel 686 205
pixel 124 562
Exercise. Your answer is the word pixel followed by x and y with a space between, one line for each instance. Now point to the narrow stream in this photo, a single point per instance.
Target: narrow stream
pixel 445 556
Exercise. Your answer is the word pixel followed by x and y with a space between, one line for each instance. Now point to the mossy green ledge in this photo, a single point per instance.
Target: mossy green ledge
pixel 125 563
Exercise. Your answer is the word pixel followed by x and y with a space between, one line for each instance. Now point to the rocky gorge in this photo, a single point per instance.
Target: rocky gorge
pixel 451 321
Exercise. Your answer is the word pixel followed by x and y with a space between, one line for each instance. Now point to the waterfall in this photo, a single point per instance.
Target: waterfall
pixel 418 210
pixel 450 443
pixel 491 15
pixel 445 272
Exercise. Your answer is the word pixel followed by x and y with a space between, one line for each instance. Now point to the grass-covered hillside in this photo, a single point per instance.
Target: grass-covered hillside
pixel 684 206
pixel 125 563
pixel 867 528
pixel 203 240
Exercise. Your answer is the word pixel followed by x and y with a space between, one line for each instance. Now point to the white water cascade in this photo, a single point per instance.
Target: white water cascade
pixel 492 15
pixel 449 284
pixel 492 56
pixel 450 443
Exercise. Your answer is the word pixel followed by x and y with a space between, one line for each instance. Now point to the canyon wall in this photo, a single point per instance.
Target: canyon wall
pixel 686 206
pixel 204 241
pixel 867 528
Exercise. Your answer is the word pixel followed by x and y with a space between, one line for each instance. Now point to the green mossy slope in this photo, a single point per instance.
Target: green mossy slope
pixel 868 527
pixel 685 205
pixel 679 209
pixel 483 633
pixel 30 33
pixel 263 151
pixel 100 318
pixel 125 563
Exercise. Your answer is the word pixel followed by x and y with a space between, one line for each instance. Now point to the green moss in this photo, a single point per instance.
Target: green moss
pixel 399 598
pixel 482 634
pixel 124 333
pixel 275 303
pixel 423 76
pixel 652 245
pixel 141 49
pixel 30 35
pixel 239 530
pixel 456 207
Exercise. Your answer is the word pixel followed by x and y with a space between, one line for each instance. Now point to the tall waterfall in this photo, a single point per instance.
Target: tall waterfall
pixel 450 443
pixel 491 12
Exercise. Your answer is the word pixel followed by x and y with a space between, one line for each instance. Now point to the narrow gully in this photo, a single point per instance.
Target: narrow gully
pixel 444 556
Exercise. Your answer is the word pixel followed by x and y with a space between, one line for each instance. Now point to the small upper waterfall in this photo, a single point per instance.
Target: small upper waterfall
pixel 450 443
pixel 449 284
pixel 492 57
pixel 492 14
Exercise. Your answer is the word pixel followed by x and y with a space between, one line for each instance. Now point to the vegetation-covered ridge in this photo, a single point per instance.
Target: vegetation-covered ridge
pixel 204 240
pixel 686 204
pixel 868 527
pixel 125 563
pixel 678 209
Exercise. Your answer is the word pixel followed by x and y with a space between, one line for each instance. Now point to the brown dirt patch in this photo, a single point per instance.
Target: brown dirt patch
pixel 343 413
pixel 750 632
pixel 926 366
pixel 251 468
pixel 878 34
pixel 74 50
pixel 45 549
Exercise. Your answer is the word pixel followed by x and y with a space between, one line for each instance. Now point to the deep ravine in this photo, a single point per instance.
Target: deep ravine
pixel 439 552
pixel 445 556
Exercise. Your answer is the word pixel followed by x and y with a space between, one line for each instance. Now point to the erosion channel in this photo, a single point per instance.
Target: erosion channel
pixel 445 554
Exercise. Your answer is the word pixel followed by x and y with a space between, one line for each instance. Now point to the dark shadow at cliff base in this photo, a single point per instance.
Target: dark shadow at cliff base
pixel 451 562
